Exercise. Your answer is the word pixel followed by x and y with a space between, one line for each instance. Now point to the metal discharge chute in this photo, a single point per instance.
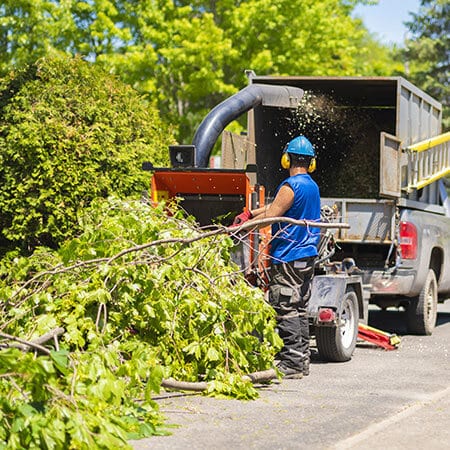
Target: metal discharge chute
pixel 230 109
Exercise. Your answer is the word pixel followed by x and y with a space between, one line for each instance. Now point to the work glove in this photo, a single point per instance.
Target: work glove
pixel 242 218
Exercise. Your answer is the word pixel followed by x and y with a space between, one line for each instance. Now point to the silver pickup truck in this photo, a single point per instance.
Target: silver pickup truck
pixel 403 251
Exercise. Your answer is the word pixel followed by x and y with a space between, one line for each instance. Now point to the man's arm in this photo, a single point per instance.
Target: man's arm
pixel 282 202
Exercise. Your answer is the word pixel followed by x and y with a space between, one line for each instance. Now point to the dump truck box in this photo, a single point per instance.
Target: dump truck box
pixel 381 164
pixel 360 123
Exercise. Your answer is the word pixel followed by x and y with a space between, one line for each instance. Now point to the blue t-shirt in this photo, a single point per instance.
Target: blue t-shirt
pixel 291 242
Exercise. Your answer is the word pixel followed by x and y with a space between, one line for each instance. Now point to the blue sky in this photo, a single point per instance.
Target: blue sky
pixel 386 19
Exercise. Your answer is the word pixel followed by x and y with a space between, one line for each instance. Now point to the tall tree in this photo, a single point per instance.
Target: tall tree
pixel 294 37
pixel 160 47
pixel 187 56
pixel 26 31
pixel 428 51
pixel 176 56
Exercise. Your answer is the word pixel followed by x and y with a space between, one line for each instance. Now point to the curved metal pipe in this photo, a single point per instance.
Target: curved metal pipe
pixel 230 109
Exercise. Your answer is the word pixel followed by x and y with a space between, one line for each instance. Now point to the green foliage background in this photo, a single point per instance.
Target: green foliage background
pixel 427 52
pixel 69 133
pixel 141 296
pixel 188 56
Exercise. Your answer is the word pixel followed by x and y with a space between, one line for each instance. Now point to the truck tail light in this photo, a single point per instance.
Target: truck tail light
pixel 408 240
pixel 327 315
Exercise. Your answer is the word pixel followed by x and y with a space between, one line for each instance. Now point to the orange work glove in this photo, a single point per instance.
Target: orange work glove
pixel 241 218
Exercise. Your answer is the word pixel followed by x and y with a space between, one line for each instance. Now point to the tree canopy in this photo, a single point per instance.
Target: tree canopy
pixel 428 51
pixel 189 56
pixel 69 133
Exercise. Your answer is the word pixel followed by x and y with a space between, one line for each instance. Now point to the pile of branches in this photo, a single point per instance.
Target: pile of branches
pixel 142 300
pixel 90 332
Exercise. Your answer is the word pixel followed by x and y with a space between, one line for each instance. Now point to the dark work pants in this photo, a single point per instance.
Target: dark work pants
pixel 289 293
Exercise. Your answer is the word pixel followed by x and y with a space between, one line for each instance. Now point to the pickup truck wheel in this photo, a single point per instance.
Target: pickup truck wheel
pixel 422 310
pixel 338 343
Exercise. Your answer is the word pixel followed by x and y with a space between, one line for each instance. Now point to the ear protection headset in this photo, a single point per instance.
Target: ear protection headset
pixel 286 162
pixel 302 147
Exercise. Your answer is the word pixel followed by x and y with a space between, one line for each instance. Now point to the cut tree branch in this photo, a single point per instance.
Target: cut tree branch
pixel 201 386
pixel 232 230
pixel 35 344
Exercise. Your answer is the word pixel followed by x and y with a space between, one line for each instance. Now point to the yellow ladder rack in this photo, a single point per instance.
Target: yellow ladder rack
pixel 428 161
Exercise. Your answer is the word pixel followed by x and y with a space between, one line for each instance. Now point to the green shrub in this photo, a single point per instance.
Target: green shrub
pixel 69 133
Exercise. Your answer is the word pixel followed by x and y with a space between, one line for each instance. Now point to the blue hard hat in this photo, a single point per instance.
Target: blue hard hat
pixel 300 146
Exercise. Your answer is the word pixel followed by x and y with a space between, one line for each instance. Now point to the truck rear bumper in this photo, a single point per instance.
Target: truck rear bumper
pixel 399 282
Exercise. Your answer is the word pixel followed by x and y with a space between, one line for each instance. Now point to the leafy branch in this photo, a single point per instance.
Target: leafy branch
pixel 218 230
pixel 144 299
pixel 35 344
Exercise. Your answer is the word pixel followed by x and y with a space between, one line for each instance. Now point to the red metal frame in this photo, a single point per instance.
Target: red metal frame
pixel 168 183
pixel 380 338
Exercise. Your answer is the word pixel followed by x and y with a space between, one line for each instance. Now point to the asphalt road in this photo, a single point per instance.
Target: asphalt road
pixel 380 399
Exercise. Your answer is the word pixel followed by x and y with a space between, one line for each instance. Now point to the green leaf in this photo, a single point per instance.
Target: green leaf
pixel 154 382
pixel 212 354
pixel 193 349
pixel 61 360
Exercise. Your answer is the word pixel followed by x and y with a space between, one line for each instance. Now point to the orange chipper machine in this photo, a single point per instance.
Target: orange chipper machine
pixel 217 195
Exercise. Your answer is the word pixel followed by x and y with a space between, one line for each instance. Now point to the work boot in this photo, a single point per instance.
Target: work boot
pixel 289 372
pixel 305 367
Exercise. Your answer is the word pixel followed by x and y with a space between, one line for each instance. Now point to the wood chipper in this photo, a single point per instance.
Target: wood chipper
pixel 212 195
pixel 215 196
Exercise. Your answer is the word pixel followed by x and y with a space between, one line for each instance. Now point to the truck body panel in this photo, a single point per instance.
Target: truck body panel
pixel 328 291
pixel 433 248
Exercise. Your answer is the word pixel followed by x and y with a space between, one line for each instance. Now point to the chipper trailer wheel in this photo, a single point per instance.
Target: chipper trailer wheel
pixel 337 343
pixel 422 310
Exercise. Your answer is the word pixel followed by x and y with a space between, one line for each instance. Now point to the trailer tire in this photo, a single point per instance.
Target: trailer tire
pixel 422 310
pixel 338 343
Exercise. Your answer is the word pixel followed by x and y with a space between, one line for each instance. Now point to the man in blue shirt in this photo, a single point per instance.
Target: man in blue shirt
pixel 293 251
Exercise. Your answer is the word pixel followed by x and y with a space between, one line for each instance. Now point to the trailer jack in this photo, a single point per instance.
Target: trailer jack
pixel 380 338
